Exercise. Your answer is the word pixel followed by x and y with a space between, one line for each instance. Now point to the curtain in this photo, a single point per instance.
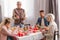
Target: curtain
pixel 50 6
pixel 0 14
pixel 53 8
pixel 55 11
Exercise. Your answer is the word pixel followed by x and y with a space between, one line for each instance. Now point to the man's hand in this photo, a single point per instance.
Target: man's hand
pixel 24 18
pixel 17 17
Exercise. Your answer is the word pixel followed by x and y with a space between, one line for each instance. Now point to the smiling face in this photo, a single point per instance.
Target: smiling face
pixel 48 18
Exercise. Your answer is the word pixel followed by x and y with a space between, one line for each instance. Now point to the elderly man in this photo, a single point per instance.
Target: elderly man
pixel 18 14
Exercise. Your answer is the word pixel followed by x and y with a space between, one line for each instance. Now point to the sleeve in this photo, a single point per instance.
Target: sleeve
pixel 24 16
pixel 37 21
pixel 14 14
pixel 46 22
pixel 55 28
pixel 6 32
pixel 24 13
pixel 51 30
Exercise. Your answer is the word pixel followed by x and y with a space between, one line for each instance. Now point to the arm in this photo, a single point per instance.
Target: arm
pixel 24 14
pixel 51 30
pixel 15 16
pixel 6 32
pixel 37 22
pixel 55 28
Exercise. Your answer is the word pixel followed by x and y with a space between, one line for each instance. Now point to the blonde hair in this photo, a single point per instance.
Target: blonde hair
pixel 52 16
pixel 5 21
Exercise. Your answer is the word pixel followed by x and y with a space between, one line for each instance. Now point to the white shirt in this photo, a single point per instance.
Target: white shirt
pixel 42 22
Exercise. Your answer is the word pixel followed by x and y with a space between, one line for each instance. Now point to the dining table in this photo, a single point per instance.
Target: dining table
pixel 31 36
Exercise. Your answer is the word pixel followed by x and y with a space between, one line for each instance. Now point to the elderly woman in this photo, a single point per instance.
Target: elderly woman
pixel 4 29
pixel 52 27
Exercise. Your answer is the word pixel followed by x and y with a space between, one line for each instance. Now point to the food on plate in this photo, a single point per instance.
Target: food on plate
pixel 25 28
pixel 30 27
pixel 36 28
pixel 20 34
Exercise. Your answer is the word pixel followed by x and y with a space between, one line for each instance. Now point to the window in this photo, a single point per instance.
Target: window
pixel 9 5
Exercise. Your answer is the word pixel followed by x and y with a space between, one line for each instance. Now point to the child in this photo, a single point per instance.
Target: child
pixel 4 32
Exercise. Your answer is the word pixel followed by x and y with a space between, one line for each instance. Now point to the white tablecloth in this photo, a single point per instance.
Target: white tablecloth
pixel 32 36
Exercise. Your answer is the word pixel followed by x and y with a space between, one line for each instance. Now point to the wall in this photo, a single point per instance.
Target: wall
pixel 31 7
pixel 59 14
pixel 28 5
pixel 40 5
pixel 2 7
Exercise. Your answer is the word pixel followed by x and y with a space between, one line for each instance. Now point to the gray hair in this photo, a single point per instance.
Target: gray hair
pixel 18 2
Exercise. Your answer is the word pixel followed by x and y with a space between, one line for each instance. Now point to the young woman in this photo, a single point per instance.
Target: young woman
pixel 52 27
pixel 4 32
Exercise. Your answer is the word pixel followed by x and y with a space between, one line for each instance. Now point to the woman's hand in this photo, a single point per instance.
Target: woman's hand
pixel 46 28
